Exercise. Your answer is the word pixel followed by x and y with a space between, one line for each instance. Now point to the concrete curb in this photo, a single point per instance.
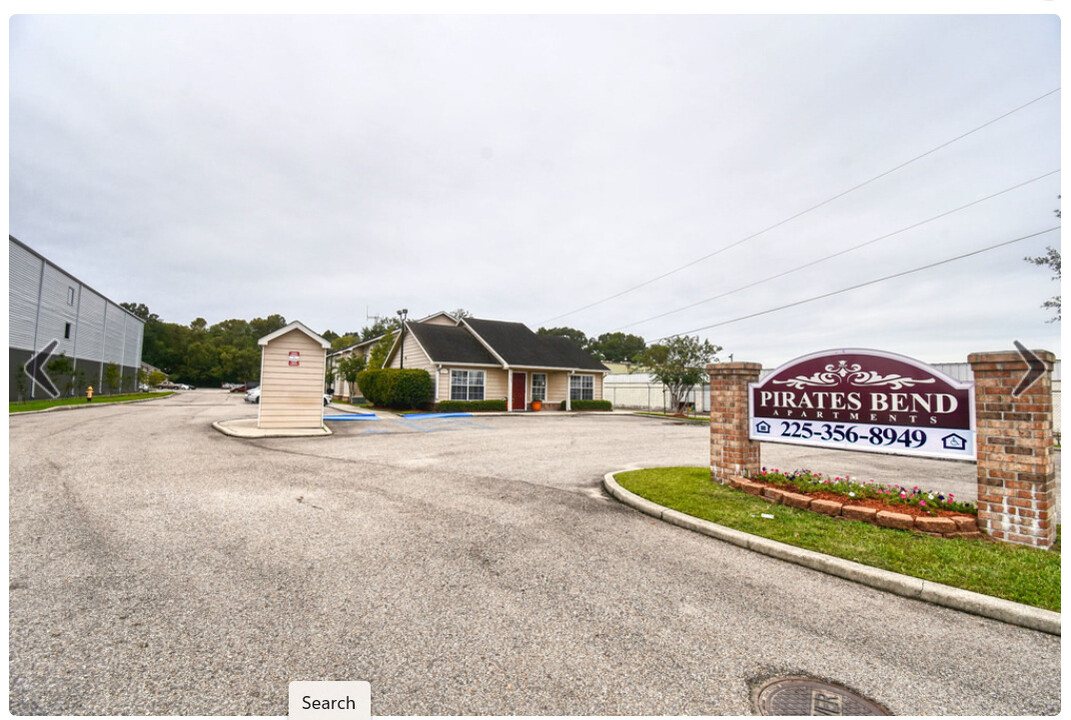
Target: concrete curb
pixel 62 408
pixel 1007 611
pixel 247 429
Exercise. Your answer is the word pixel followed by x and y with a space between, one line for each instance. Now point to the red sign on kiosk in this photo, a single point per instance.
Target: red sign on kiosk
pixel 864 400
pixel 295 358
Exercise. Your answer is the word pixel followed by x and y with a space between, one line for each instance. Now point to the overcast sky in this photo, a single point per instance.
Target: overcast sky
pixel 550 169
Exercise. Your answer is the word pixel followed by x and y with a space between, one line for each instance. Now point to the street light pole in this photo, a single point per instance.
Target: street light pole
pixel 402 315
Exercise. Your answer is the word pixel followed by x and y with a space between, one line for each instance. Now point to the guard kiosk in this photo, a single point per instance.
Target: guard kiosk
pixel 293 362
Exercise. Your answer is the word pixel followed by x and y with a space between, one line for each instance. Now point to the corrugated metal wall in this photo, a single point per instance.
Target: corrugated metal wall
pixel 24 283
pixel 91 325
pixel 56 311
pixel 47 303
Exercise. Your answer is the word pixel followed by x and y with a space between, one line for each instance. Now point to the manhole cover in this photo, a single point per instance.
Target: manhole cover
pixel 804 696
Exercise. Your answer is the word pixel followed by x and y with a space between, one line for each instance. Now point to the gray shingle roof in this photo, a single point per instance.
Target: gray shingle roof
pixel 520 347
pixel 513 342
pixel 446 344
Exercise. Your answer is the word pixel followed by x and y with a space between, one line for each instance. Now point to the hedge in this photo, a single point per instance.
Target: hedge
pixel 471 405
pixel 396 388
pixel 590 405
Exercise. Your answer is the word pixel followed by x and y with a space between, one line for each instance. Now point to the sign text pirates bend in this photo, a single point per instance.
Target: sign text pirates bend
pixel 864 400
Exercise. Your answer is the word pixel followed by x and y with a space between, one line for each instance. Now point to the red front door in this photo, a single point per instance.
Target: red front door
pixel 519 383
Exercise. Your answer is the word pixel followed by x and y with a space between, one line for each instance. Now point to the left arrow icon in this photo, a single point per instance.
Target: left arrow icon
pixel 35 368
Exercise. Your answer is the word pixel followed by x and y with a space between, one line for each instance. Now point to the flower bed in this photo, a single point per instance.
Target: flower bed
pixel 806 482
pixel 886 506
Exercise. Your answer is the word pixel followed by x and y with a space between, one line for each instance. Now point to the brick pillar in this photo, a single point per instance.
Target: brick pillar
pixel 1016 466
pixel 731 453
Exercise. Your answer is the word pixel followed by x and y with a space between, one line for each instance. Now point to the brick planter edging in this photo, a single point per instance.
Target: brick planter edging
pixel 949 527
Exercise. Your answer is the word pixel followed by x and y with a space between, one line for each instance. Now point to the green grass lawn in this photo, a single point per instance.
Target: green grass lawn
pixel 1022 574
pixel 29 405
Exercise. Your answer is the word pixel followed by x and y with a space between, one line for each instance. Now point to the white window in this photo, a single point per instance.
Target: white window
pixel 581 387
pixel 539 387
pixel 466 384
pixel 70 296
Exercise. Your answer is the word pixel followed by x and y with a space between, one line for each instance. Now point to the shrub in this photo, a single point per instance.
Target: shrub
pixel 396 388
pixel 471 405
pixel 590 405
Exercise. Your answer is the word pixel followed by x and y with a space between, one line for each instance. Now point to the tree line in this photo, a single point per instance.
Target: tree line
pixel 203 354
pixel 209 355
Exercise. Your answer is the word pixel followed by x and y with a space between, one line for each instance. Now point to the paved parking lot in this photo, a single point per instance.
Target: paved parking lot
pixel 160 567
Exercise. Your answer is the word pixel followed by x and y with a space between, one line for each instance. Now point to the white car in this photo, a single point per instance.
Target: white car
pixel 253 396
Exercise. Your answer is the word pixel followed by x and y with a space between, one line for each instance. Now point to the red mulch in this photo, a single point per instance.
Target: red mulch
pixel 903 509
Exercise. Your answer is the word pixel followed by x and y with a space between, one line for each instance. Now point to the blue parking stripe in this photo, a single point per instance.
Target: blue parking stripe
pixel 424 416
pixel 409 425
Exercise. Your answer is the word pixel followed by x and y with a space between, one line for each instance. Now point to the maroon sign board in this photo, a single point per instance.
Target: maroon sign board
pixel 864 400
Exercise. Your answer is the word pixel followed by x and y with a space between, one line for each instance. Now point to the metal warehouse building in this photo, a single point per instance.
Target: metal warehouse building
pixel 46 303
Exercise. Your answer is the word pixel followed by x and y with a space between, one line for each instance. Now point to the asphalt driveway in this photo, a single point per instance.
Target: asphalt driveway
pixel 159 567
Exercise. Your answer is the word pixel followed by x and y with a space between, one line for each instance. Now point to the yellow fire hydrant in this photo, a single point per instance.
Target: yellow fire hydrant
pixel 89 394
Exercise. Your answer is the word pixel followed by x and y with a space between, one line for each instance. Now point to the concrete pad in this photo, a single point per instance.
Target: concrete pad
pixel 247 428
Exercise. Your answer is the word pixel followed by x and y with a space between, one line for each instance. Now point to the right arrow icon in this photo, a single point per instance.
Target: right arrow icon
pixel 1035 369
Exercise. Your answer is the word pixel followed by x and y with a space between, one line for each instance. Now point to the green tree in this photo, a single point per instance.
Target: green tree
pixel 112 376
pixel 1050 259
pixel 201 365
pixel 619 347
pixel 21 382
pixel 239 363
pixel 341 342
pixel 259 327
pixel 380 327
pixel 141 310
pixel 573 334
pixel 680 364
pixel 61 370
pixel 349 368
pixel 380 350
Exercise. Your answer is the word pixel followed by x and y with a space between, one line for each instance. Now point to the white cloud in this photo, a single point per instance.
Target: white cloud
pixel 522 167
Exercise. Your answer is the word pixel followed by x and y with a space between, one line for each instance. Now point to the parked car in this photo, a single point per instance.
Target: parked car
pixel 253 396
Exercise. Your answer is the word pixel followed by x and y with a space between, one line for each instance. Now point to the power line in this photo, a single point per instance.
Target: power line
pixel 803 212
pixel 861 285
pixel 837 254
